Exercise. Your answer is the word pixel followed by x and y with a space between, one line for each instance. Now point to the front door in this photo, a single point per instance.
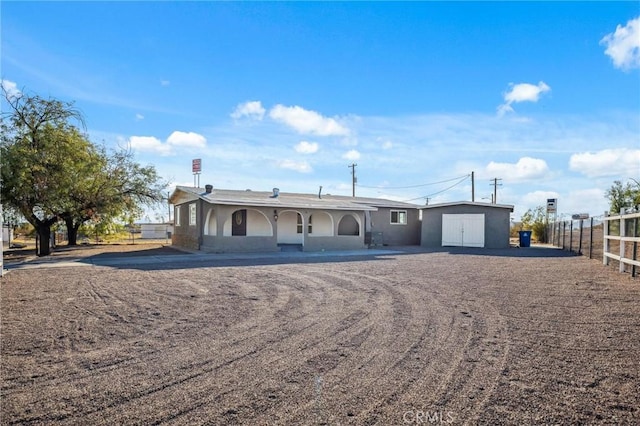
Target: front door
pixel 239 223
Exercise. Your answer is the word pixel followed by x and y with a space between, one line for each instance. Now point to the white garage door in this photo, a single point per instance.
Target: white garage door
pixel 463 230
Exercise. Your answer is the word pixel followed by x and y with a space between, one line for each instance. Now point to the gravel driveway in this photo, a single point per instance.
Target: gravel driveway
pixel 520 336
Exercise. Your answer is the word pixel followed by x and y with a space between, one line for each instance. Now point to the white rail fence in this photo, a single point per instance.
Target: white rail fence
pixel 622 227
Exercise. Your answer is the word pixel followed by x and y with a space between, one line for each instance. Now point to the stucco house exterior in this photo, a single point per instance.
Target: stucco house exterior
pixel 466 224
pixel 219 220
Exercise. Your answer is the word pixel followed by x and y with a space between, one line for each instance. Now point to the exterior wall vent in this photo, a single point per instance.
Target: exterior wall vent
pixel 208 189
pixel 276 192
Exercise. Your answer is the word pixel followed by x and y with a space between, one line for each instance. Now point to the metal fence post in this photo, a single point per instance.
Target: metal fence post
pixel 564 231
pixel 559 226
pixel 580 239
pixel 591 240
pixel 571 236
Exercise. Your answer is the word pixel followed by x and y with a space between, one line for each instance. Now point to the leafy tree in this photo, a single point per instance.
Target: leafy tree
pixel 35 155
pixel 621 196
pixel 112 186
pixel 50 171
pixel 11 217
pixel 536 221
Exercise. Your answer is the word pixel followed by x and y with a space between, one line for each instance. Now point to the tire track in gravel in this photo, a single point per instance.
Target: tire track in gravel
pixel 301 344
pixel 458 381
pixel 182 379
pixel 388 330
pixel 334 343
pixel 339 329
pixel 393 315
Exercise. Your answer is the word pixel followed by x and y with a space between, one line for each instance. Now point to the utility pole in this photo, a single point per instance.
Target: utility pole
pixel 354 179
pixel 169 205
pixel 473 187
pixel 427 200
pixel 495 190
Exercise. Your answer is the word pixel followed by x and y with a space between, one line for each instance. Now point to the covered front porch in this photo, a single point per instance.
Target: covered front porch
pixel 235 228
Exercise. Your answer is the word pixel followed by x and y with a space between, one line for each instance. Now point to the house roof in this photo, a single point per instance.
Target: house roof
pixel 468 203
pixel 184 194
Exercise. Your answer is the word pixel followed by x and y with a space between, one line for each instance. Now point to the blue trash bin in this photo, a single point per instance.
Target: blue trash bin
pixel 525 238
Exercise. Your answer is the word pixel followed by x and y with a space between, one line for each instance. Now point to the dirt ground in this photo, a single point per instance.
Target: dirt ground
pixel 520 336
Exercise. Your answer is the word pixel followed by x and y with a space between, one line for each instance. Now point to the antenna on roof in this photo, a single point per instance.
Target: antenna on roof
pixel 320 192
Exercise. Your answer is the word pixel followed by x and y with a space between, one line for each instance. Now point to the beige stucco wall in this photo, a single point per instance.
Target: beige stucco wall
pixel 264 232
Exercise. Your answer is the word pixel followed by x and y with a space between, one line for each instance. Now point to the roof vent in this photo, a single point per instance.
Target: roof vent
pixel 276 192
pixel 208 189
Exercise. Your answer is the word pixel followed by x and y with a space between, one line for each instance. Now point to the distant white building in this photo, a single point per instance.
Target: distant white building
pixel 7 235
pixel 156 230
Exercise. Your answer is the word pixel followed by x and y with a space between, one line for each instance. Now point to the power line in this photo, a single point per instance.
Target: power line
pixel 414 186
pixel 439 192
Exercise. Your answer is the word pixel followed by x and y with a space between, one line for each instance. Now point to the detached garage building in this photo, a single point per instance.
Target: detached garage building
pixel 466 224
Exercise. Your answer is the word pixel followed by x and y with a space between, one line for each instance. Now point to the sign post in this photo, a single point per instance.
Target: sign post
pixel 196 168
pixel 552 208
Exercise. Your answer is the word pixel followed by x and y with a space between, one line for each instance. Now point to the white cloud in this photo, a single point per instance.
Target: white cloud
pixel 623 45
pixel 387 145
pixel 139 117
pixel 522 92
pixel 307 122
pixel 351 155
pixel 592 201
pixel 608 162
pixel 187 139
pixel 526 168
pixel 525 92
pixel 164 83
pixel 11 88
pixel 251 109
pixel 298 166
pixel 149 144
pixel 176 139
pixel 305 147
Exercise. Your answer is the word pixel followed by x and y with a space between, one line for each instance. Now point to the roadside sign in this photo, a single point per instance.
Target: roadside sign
pixel 552 205
pixel 580 216
pixel 196 165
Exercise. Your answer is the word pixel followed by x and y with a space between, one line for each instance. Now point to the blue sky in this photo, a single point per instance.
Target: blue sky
pixel 543 95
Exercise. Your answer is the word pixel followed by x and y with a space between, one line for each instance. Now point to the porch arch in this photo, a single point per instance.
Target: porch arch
pixel 257 224
pixel 348 225
pixel 320 224
pixel 290 228
pixel 211 223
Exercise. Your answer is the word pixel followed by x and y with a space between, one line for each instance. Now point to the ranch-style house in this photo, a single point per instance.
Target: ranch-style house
pixel 219 220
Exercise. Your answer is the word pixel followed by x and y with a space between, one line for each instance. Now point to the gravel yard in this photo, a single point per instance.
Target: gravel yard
pixel 519 336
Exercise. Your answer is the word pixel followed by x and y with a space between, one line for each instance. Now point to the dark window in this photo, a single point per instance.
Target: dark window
pixel 398 217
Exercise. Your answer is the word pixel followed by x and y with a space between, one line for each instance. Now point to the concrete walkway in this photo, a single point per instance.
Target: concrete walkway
pixel 173 259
